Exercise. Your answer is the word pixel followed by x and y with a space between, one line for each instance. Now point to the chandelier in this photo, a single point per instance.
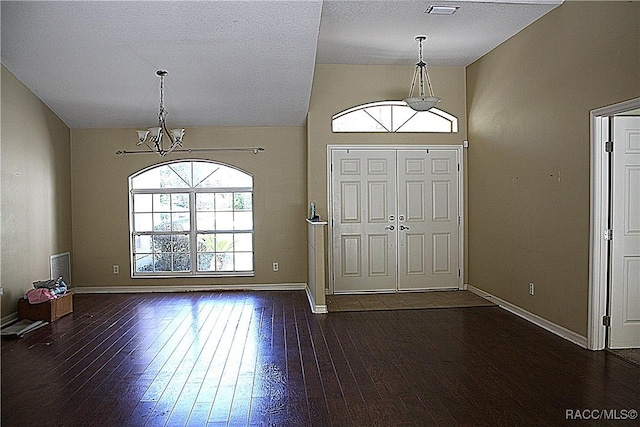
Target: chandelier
pixel 421 75
pixel 156 138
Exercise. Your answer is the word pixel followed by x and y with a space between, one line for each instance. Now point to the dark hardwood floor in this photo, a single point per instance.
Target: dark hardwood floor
pixel 262 358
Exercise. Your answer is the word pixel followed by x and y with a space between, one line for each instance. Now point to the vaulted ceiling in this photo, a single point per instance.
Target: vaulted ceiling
pixel 229 63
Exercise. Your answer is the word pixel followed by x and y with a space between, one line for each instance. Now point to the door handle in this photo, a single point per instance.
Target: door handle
pixel 391 228
pixel 402 227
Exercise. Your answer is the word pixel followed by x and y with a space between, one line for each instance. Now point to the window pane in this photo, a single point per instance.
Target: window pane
pixel 162 221
pixel 170 179
pixel 182 171
pixel 224 201
pixel 244 261
pixel 224 261
pixel 226 177
pixel 143 222
pixel 206 262
pixel 162 202
pixel 142 203
pixel 357 121
pixel 180 243
pixel 224 220
pixel 181 222
pixel 181 262
pixel 162 262
pixel 242 201
pixel 144 263
pixel 180 202
pixel 206 242
pixel 161 243
pixel 426 121
pixel 205 220
pixel 243 221
pixel 142 244
pixel 205 202
pixel 401 115
pixel 243 242
pixel 224 242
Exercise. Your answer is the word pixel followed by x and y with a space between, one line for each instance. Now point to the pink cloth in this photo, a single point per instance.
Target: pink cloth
pixel 36 296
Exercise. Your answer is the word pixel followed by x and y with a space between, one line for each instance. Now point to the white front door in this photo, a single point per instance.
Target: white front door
pixel 428 220
pixel 625 245
pixel 395 219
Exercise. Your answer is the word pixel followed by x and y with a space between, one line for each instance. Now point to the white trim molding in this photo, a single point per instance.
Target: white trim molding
pixel 533 318
pixel 599 213
pixel 315 308
pixel 189 288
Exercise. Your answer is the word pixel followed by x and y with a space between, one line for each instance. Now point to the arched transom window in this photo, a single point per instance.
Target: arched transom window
pixel 191 218
pixel 392 116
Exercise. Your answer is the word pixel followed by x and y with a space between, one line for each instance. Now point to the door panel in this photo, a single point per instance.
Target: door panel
pixel 364 248
pixel 625 246
pixel 428 219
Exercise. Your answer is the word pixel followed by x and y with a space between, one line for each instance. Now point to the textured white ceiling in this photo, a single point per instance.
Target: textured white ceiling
pixel 230 63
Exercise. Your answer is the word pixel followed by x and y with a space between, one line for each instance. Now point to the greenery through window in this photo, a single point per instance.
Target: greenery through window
pixel 392 116
pixel 191 218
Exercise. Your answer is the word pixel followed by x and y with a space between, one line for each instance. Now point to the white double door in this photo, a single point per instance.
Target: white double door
pixel 395 219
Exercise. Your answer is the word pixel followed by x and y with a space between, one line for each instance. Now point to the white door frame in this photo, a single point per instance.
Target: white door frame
pixel 461 210
pixel 598 245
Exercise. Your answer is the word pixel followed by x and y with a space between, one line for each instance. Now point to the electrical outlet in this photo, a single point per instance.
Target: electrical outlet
pixel 116 269
pixel 276 267
pixel 531 288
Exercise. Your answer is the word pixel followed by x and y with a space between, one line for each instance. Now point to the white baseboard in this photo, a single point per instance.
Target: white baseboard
pixel 189 288
pixel 315 308
pixel 533 318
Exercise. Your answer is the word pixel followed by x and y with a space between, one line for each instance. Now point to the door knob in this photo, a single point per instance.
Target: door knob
pixel 402 227
pixel 391 228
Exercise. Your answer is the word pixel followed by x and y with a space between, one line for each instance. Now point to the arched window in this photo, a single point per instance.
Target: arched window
pixel 191 218
pixel 392 116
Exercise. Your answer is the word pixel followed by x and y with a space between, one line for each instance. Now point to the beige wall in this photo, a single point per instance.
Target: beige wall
pixel 36 195
pixel 528 114
pixel 100 201
pixel 338 87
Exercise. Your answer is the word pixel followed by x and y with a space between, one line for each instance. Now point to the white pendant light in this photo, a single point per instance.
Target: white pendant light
pixel 421 75
pixel 154 138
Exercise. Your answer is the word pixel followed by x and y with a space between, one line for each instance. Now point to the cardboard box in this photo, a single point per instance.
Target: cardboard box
pixel 47 311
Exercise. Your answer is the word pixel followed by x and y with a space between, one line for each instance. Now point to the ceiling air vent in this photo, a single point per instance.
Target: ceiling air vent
pixel 441 10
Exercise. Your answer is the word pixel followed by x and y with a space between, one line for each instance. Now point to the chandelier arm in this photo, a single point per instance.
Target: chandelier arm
pixel 413 81
pixel 428 79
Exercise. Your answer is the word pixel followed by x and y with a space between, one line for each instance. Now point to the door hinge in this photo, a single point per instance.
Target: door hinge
pixel 608 146
pixel 606 321
pixel 458 272
pixel 608 234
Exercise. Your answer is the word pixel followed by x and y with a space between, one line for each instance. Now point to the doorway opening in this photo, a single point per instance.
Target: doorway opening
pixel 608 263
